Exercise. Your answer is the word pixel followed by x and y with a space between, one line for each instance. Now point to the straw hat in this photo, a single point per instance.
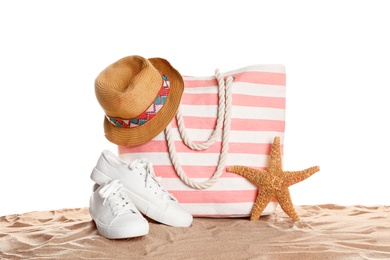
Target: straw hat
pixel 139 97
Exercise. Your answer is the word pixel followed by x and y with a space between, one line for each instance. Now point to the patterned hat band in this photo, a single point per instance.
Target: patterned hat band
pixel 149 113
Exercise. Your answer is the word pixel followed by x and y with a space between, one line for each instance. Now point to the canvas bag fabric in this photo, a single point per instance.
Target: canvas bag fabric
pixel 191 159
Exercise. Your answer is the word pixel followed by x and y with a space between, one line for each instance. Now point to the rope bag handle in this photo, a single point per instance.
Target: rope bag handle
pixel 223 119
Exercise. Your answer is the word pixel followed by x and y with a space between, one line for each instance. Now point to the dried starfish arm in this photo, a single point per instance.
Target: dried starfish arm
pixel 293 177
pixel 261 202
pixel 284 200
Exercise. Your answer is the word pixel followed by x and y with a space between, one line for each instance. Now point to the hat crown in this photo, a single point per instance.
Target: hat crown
pixel 128 87
pixel 140 98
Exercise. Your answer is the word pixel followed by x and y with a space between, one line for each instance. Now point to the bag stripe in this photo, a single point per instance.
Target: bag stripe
pixel 240 112
pixel 271 78
pixel 199 159
pixel 237 100
pixel 238 124
pixel 233 196
pixel 161 146
pixel 235 136
pixel 242 209
pixel 223 184
pixel 254 77
pixel 167 171
pixel 243 89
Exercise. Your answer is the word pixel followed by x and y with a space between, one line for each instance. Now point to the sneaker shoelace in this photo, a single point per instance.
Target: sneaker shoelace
pixel 117 199
pixel 151 180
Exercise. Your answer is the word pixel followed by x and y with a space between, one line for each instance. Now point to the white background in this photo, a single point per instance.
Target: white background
pixel 336 55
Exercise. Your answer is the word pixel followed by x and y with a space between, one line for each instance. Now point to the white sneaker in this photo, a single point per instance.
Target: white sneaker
pixel 143 188
pixel 114 214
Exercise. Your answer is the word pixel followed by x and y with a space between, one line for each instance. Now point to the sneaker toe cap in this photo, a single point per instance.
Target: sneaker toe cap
pixel 124 226
pixel 179 216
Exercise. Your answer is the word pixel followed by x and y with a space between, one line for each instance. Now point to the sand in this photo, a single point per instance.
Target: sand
pixel 324 232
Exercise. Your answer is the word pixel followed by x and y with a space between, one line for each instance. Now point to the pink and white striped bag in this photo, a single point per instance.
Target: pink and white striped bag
pixel 226 119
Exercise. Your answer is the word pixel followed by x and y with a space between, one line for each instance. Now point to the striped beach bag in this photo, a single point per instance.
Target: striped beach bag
pixel 226 119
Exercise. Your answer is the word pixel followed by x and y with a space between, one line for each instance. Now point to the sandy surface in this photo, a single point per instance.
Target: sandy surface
pixel 324 232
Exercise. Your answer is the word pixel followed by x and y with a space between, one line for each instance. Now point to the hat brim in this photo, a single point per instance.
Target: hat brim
pixel 141 134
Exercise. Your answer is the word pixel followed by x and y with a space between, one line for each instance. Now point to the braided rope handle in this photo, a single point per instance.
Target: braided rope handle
pixel 226 118
pixel 220 117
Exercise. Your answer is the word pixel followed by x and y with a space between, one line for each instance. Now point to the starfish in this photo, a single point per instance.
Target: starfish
pixel 273 182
